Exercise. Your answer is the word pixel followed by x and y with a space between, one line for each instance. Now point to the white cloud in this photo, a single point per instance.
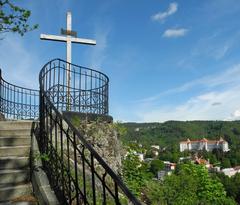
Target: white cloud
pixel 98 53
pixel 161 16
pixel 199 107
pixel 217 100
pixel 174 33
pixel 235 115
pixel 229 77
pixel 215 46
pixel 19 65
pixel 221 52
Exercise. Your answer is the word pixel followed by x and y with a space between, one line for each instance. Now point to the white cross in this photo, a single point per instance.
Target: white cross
pixel 69 39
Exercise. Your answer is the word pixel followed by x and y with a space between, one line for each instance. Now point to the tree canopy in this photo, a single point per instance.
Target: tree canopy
pixel 191 184
pixel 135 173
pixel 156 165
pixel 14 18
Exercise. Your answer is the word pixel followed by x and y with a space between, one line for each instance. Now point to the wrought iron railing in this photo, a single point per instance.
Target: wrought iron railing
pixel 87 91
pixel 18 102
pixel 77 173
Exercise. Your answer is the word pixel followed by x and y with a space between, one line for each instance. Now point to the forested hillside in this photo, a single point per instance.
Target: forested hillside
pixel 171 132
pixel 176 186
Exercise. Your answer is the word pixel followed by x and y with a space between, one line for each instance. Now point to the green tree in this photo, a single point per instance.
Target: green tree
pixel 218 153
pixel 226 163
pixel 149 154
pixel 236 180
pixel 234 162
pixel 156 165
pixel 153 193
pixel 180 189
pixel 120 128
pixel 175 157
pixel 165 156
pixel 135 173
pixel 213 159
pixel 237 156
pixel 14 19
pixel 191 184
pixel 231 185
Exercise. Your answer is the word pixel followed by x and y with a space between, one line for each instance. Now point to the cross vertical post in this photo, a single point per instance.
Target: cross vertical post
pixel 69 59
pixel 69 38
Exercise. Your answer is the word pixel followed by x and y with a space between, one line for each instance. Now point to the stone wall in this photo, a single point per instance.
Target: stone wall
pixel 104 138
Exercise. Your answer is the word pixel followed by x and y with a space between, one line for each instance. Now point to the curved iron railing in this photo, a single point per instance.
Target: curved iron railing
pixel 18 102
pixel 86 92
pixel 77 173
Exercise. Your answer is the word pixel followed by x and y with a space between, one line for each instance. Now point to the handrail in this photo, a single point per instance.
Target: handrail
pixel 77 173
pixel 18 102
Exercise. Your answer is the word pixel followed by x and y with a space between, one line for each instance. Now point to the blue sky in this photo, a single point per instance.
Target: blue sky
pixel 166 60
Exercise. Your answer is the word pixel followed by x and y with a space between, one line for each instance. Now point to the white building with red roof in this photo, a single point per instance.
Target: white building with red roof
pixel 204 144
pixel 231 171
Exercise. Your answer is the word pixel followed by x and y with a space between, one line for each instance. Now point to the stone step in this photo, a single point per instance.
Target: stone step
pixel 19 151
pixel 16 124
pixel 18 136
pixel 9 176
pixel 14 162
pixel 12 192
pixel 18 203
pixel 11 132
pixel 14 141
pixel 24 200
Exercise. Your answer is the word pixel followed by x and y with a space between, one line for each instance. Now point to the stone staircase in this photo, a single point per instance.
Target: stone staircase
pixel 15 143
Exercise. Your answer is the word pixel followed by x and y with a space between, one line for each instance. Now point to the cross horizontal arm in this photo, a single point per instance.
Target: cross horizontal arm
pixel 53 37
pixel 83 41
pixel 66 38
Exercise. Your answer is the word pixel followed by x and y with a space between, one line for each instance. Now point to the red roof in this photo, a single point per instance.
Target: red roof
pixel 221 140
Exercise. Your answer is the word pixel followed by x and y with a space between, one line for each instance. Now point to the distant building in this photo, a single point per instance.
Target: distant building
pixel 157 147
pixel 169 166
pixel 185 158
pixel 140 156
pixel 216 169
pixel 231 171
pixel 147 160
pixel 137 129
pixel 155 150
pixel 155 153
pixel 204 162
pixel 204 144
pixel 161 174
